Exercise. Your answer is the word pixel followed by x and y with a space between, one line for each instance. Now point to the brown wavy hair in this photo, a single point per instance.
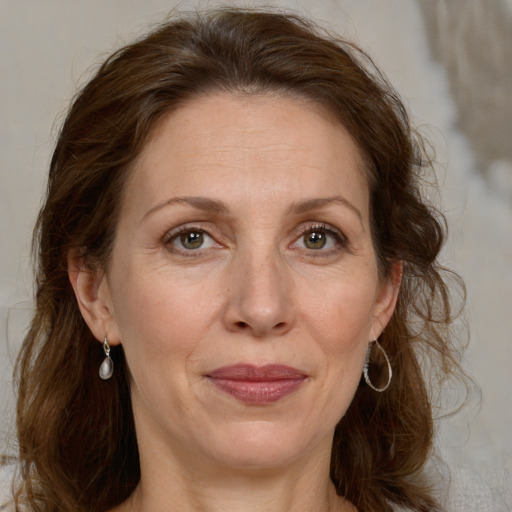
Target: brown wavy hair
pixel 77 442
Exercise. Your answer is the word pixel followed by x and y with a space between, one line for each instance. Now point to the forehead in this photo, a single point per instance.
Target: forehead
pixel 218 142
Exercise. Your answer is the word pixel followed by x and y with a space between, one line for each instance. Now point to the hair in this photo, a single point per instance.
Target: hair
pixel 77 442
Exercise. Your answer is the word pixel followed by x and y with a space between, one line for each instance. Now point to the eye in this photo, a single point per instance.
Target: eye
pixel 189 239
pixel 315 240
pixel 320 238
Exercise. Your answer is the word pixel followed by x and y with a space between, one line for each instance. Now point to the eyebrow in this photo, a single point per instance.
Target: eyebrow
pixel 201 203
pixel 316 203
pixel 215 206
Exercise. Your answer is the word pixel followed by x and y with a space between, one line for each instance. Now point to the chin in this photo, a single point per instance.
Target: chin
pixel 265 446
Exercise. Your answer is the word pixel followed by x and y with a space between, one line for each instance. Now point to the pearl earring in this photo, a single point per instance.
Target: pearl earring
pixel 107 366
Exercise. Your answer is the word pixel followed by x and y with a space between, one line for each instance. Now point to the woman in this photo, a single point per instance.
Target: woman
pixel 237 277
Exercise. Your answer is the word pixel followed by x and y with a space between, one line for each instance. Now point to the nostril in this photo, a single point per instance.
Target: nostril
pixel 245 325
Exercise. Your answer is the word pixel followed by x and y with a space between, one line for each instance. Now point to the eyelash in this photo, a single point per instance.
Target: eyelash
pixel 174 234
pixel 339 238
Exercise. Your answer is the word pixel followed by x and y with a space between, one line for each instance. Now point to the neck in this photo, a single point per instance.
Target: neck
pixel 304 486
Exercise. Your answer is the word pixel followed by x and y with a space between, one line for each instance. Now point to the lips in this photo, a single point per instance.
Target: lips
pixel 257 385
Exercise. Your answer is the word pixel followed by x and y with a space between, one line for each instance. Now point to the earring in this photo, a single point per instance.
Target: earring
pixel 107 366
pixel 366 363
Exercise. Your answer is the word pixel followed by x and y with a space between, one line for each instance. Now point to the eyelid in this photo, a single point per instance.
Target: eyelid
pixel 321 226
pixel 173 233
pixel 340 238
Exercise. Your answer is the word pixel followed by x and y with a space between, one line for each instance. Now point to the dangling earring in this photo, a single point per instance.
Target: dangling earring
pixel 107 366
pixel 365 367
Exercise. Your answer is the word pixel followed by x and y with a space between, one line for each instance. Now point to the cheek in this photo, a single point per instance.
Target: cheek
pixel 340 315
pixel 340 325
pixel 159 319
pixel 162 326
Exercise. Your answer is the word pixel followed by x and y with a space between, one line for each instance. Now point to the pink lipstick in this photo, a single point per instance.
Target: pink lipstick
pixel 257 385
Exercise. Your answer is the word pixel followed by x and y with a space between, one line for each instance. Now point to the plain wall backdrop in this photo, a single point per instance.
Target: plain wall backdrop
pixel 450 60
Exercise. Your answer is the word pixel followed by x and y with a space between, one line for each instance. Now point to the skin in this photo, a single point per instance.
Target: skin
pixel 269 171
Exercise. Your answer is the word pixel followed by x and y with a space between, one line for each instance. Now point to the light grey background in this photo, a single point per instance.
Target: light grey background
pixel 452 62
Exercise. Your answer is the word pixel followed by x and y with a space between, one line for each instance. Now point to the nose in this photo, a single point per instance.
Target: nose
pixel 260 299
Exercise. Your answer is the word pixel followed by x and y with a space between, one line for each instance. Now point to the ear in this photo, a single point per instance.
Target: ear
pixel 385 302
pixel 93 296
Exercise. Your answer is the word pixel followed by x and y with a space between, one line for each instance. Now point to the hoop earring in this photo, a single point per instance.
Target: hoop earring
pixel 107 366
pixel 366 363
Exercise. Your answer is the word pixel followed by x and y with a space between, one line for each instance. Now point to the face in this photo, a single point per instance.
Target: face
pixel 243 283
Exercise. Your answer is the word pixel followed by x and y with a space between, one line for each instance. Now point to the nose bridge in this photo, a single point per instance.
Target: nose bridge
pixel 260 301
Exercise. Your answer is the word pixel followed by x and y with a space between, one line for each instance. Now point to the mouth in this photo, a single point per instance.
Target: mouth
pixel 257 385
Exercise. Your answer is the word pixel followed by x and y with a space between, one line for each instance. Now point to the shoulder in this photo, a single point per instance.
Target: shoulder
pixel 6 478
